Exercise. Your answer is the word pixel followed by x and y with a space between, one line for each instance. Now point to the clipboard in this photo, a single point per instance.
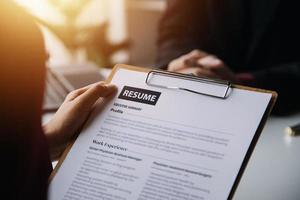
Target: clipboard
pixel 225 84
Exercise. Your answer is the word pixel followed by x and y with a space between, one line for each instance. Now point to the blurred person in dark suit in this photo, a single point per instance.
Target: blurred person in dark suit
pixel 254 43
pixel 25 145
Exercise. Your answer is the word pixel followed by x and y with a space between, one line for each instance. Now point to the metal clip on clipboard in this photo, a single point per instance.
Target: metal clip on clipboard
pixel 209 87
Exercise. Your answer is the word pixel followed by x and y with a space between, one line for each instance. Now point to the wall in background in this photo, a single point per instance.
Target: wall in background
pixel 142 21
pixel 136 20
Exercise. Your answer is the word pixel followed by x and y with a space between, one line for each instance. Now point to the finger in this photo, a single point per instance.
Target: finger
pixel 74 94
pixel 196 54
pixel 182 63
pixel 190 60
pixel 176 64
pixel 187 60
pixel 96 91
pixel 192 63
pixel 199 72
pixel 210 62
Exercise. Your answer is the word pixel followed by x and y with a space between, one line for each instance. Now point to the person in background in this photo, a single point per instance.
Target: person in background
pixel 26 145
pixel 255 43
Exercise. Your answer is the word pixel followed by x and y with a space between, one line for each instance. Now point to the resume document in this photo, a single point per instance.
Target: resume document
pixel 154 143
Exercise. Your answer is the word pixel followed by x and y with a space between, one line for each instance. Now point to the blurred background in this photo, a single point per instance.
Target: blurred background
pixel 102 32
pixel 86 38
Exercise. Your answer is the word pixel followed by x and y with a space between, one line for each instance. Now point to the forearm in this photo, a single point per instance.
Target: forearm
pixel 56 147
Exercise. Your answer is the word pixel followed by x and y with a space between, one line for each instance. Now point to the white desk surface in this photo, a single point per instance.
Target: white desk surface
pixel 273 171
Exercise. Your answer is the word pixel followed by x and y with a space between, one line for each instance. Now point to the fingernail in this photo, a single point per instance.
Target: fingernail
pixel 216 61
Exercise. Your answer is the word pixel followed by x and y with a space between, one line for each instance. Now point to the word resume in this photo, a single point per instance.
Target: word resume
pixel 155 143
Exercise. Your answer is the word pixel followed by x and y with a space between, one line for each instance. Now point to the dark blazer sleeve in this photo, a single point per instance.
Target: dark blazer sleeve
pixel 285 80
pixel 183 28
pixel 278 57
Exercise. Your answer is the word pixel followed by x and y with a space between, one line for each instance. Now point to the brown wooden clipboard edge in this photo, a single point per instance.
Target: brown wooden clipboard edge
pixel 249 151
pixel 256 135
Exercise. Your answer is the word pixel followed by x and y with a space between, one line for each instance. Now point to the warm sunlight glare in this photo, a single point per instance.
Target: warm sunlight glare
pixel 89 13
pixel 42 9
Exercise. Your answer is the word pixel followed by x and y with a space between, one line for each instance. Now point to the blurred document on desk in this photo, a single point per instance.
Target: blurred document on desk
pixel 156 143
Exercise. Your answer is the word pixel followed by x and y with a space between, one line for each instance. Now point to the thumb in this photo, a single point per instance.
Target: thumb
pixel 210 62
pixel 89 97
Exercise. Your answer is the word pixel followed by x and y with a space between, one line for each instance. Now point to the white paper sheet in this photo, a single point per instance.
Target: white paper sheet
pixel 186 146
